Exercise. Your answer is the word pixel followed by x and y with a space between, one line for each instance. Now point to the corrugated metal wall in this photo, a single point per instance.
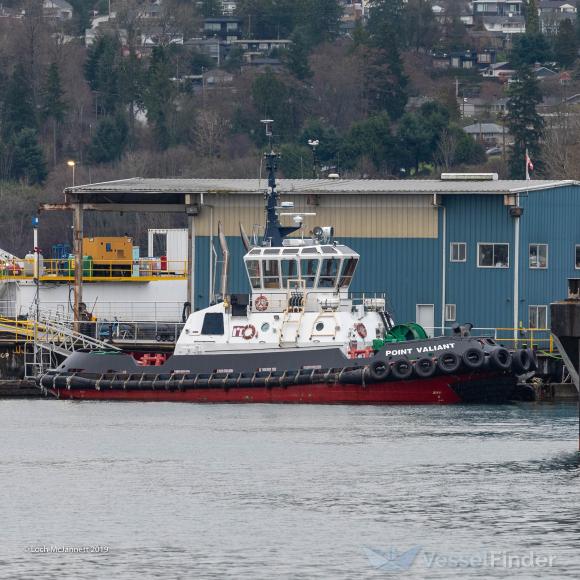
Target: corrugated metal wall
pixel 400 241
pixel 385 216
pixel 550 217
pixel 483 296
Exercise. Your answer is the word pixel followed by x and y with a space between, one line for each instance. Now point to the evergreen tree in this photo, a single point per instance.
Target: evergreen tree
pixel 17 110
pixel 532 18
pixel 27 159
pixel 566 44
pixel 297 57
pixel 385 81
pixel 373 139
pixel 109 140
pixel 321 19
pixel 524 123
pixel 102 71
pixel 53 106
pixel 211 8
pixel 159 95
pixel 529 49
pixel 421 28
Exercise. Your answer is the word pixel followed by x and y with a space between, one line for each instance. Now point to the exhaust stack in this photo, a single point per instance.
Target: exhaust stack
pixel 226 261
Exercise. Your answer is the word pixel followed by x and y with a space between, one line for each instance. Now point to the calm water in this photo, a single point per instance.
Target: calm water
pixel 185 491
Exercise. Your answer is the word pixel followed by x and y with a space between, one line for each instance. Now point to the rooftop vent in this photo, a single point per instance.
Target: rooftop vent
pixel 469 177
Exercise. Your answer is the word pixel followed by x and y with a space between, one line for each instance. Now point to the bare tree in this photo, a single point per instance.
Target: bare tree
pixel 561 146
pixel 446 150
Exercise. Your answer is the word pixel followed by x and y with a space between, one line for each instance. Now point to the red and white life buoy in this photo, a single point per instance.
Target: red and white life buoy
pixel 249 331
pixel 261 303
pixel 361 330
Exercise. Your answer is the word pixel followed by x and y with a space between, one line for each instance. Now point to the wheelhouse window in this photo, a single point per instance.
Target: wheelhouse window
pixel 492 255
pixel 253 267
pixel 271 273
pixel 347 272
pixel 213 323
pixel 328 273
pixel 309 269
pixel 289 271
pixel 458 252
pixel 538 316
pixel 538 256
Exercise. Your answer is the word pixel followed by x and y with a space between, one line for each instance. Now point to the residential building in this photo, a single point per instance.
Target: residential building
pixel 502 71
pixel 505 8
pixel 57 9
pixel 553 12
pixel 488 134
pixel 226 28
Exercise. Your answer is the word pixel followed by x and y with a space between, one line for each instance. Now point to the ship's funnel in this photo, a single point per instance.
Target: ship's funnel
pixel 245 239
pixel 226 261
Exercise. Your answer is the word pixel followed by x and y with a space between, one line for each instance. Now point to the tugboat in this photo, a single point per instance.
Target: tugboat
pixel 300 337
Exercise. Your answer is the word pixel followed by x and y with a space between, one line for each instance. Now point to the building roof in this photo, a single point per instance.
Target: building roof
pixel 173 191
pixel 478 128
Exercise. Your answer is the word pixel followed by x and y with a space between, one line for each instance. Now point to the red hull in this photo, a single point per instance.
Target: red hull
pixel 436 390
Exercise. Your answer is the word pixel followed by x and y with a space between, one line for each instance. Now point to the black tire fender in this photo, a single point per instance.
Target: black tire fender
pixel 448 363
pixel 521 361
pixel 473 358
pixel 402 369
pixel 425 367
pixel 501 358
pixel 379 370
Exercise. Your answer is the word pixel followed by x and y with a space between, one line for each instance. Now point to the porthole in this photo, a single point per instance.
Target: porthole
pixel 265 327
pixel 319 326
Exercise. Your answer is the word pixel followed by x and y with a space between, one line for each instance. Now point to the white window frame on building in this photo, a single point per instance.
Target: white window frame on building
pixel 535 258
pixel 458 247
pixel 495 263
pixel 538 313
pixel 450 312
pixel 577 256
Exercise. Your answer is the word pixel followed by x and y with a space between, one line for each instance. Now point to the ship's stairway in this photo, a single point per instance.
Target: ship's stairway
pixel 293 313
pixel 48 340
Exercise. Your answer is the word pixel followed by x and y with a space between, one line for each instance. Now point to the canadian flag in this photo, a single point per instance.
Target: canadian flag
pixel 529 164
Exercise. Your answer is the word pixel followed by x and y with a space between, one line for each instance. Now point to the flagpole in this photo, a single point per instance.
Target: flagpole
pixel 527 162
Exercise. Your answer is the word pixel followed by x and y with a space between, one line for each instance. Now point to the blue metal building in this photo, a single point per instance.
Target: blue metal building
pixel 465 248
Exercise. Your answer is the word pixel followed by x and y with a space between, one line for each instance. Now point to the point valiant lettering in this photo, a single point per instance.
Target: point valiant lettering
pixel 420 349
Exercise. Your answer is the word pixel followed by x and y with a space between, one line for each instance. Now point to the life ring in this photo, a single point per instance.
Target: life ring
pixel 361 330
pixel 249 332
pixel 261 303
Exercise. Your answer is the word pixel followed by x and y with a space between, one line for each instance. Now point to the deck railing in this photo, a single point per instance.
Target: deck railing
pixel 95 270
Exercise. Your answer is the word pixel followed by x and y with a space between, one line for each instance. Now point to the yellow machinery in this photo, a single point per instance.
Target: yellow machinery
pixel 111 256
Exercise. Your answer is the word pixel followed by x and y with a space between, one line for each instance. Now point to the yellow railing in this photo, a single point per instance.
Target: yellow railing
pixel 98 270
pixel 537 338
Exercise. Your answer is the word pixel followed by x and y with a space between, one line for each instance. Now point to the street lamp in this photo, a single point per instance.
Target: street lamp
pixel 313 144
pixel 72 165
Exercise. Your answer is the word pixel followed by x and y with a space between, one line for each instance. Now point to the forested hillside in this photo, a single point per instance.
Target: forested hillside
pixel 137 94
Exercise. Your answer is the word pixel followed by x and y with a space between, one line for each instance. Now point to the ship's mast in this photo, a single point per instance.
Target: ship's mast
pixel 274 232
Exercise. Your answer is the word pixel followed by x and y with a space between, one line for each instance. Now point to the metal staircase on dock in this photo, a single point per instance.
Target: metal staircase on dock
pixel 46 340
